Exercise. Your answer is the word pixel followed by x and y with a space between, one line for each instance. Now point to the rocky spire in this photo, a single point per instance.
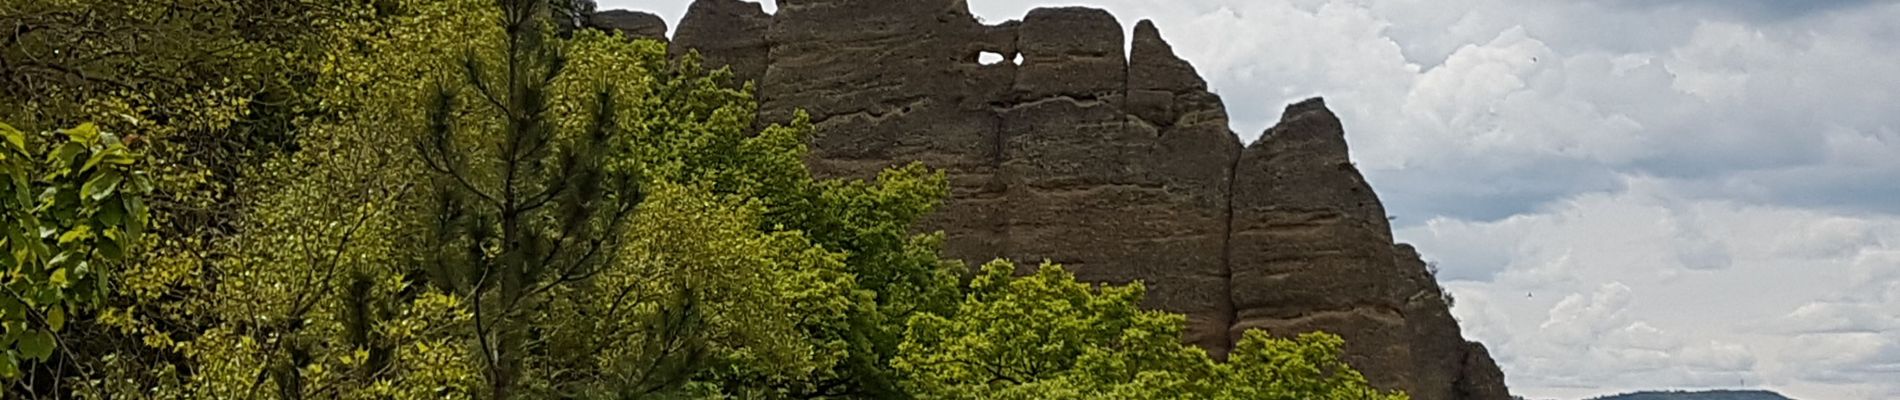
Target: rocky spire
pixel 726 33
pixel 1122 167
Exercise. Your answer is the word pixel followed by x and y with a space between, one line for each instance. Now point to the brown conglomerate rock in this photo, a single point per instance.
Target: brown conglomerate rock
pixel 727 33
pixel 1310 248
pixel 1448 367
pixel 1116 163
pixel 638 25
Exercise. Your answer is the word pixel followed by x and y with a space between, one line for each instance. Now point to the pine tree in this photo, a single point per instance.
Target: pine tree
pixel 522 209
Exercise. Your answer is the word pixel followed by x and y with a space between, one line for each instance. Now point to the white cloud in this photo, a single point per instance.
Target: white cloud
pixel 1582 321
pixel 1623 305
pixel 1833 317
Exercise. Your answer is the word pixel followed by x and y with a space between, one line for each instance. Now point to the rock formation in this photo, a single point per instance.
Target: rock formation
pixel 1118 164
pixel 631 23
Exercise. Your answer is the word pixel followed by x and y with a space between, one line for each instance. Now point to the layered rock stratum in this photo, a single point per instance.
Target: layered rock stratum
pixel 1109 156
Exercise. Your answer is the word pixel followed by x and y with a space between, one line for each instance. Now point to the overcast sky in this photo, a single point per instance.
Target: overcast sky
pixel 1622 194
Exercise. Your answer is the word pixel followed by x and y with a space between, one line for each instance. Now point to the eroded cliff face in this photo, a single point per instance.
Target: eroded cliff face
pixel 1118 164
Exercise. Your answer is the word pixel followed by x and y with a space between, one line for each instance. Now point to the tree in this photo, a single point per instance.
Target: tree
pixel 208 90
pixel 695 126
pixel 1305 367
pixel 358 265
pixel 1046 336
pixel 523 210
pixel 72 208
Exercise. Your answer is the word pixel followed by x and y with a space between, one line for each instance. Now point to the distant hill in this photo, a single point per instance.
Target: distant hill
pixel 1704 395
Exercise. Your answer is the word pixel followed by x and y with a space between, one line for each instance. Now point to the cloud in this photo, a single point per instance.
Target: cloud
pixel 1581 320
pixel 1863 363
pixel 1648 286
pixel 1757 9
pixel 1838 318
pixel 1590 338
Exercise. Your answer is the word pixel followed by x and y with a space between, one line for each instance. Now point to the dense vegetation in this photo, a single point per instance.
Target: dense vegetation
pixel 408 199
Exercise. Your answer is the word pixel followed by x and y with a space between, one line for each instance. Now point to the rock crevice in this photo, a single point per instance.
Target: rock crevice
pixel 1120 165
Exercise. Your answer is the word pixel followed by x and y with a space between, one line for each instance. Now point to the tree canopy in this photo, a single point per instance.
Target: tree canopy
pixel 1046 336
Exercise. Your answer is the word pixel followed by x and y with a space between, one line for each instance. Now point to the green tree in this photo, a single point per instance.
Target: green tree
pixel 209 90
pixel 358 266
pixel 71 208
pixel 1304 367
pixel 523 209
pixel 693 126
pixel 1046 336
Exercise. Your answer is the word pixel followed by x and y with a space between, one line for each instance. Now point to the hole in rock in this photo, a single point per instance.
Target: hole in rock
pixel 989 58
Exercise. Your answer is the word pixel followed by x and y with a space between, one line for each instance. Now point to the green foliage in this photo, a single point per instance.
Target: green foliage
pixel 176 64
pixel 1306 367
pixel 1046 336
pixel 350 277
pixel 73 208
pixel 209 90
pixel 695 128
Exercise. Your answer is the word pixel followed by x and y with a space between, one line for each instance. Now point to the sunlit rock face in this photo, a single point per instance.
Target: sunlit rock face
pixel 1109 155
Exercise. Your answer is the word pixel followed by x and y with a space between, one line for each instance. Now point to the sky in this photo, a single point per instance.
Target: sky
pixel 1620 194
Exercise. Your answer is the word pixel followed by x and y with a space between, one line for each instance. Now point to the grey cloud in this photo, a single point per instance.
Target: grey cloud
pixel 1764 9
pixel 1770 127
pixel 1417 195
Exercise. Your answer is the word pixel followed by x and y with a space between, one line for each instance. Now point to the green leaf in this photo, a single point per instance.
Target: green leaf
pixel 137 218
pixel 9 367
pixel 117 156
pixel 59 278
pixel 56 318
pixel 65 203
pixel 37 249
pixel 109 247
pixel 63 157
pixel 22 248
pixel 112 213
pixel 141 184
pixel 84 133
pixel 37 345
pixel 45 296
pixel 78 233
pixel 101 185
pixel 11 309
pixel 20 185
pixel 14 136
pixel 135 223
